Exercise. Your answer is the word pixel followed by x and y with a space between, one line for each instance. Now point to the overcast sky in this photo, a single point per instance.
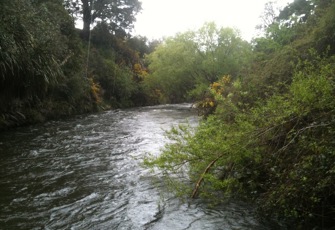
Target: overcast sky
pixel 161 18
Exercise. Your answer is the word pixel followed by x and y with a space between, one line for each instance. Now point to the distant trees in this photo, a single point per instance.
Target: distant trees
pixel 190 60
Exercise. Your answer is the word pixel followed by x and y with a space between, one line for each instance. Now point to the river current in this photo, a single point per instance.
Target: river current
pixel 86 173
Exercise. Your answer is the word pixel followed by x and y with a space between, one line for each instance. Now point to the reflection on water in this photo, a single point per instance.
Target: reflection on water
pixel 85 173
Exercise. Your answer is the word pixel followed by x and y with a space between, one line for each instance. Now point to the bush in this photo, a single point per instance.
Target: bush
pixel 279 153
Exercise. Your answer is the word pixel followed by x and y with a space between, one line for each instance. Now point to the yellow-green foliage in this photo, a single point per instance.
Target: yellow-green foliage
pixel 95 91
pixel 139 72
pixel 217 90
pixel 269 136
pixel 280 152
pixel 183 64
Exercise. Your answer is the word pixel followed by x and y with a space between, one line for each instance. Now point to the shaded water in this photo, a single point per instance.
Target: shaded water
pixel 85 173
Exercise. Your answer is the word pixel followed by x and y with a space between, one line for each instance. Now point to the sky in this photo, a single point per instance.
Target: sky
pixel 163 18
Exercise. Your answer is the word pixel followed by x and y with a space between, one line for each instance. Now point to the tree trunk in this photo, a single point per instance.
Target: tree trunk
pixel 86 19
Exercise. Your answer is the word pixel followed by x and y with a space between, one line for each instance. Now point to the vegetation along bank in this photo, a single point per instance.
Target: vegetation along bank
pixel 268 126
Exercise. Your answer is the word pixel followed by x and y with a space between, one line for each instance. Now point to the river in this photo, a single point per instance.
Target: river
pixel 85 173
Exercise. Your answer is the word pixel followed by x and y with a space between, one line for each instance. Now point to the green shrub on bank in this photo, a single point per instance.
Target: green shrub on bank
pixel 279 153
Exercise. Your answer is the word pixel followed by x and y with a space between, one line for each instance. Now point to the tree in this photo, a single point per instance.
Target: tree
pixel 185 63
pixel 173 67
pixel 119 14
pixel 298 10
pixel 268 17
pixel 140 44
pixel 223 51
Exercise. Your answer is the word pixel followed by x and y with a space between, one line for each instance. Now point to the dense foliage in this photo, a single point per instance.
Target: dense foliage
pixel 269 136
pixel 38 67
pixel 47 70
pixel 268 106
pixel 183 66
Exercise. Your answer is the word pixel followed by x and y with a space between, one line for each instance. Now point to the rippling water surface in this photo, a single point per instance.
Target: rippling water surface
pixel 85 173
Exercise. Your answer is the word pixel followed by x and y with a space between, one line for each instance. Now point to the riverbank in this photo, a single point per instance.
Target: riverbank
pixel 22 116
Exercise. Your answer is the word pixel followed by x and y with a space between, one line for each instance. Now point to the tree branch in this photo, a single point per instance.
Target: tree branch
pixel 195 190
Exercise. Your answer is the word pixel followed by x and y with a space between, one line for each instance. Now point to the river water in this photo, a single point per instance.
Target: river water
pixel 85 173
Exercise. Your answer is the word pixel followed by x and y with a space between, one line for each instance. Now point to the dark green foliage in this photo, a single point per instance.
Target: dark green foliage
pixel 298 10
pixel 37 59
pixel 324 34
pixel 43 65
pixel 29 61
pixel 111 64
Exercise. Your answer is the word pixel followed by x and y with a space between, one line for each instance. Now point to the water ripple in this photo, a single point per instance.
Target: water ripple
pixel 84 173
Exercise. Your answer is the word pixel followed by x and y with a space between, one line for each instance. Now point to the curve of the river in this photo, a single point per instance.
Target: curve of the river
pixel 85 173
